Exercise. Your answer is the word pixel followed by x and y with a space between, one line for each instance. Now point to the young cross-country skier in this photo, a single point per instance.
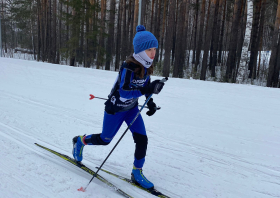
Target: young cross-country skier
pixel 132 82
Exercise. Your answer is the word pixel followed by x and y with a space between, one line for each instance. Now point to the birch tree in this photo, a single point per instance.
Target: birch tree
pixel 245 48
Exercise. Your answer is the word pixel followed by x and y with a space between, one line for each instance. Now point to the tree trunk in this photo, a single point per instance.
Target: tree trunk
pixel 67 32
pixel 186 40
pixel 143 13
pixel 87 33
pixel 276 79
pixel 156 10
pixel 163 30
pixel 263 9
pixel 43 30
pixel 124 46
pixel 100 56
pixel 200 37
pixel 136 11
pixel 111 34
pixel 168 39
pixel 152 15
pixel 54 44
pixel 207 42
pixel 81 35
pixel 60 34
pixel 174 32
pixel 74 36
pixel 131 26
pixel 272 79
pixel 118 38
pixel 254 39
pixel 195 33
pixel 231 61
pixel 222 33
pixel 49 39
pixel 241 36
pixel 180 55
pixel 216 33
pixel 39 21
pixel 157 30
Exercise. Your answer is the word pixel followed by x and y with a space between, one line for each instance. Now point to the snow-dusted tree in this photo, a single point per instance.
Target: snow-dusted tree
pixel 245 48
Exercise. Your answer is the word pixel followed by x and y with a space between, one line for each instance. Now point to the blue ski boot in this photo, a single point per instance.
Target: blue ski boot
pixel 138 178
pixel 78 146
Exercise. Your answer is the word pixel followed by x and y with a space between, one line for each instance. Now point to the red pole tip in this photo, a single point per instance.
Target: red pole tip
pixel 91 96
pixel 81 189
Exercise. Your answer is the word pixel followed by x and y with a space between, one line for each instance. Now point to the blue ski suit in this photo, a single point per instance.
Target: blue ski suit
pixel 121 106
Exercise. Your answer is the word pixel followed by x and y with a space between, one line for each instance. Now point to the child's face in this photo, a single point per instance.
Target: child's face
pixel 151 52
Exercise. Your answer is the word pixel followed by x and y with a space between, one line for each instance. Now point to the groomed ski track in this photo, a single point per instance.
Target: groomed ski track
pixel 209 140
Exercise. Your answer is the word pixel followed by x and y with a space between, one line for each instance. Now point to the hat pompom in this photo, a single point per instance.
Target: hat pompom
pixel 140 28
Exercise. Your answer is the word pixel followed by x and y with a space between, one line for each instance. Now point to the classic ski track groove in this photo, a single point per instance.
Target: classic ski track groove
pixel 131 183
pixel 18 137
pixel 31 149
pixel 99 177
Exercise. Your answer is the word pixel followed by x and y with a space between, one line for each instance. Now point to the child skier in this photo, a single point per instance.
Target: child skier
pixel 132 82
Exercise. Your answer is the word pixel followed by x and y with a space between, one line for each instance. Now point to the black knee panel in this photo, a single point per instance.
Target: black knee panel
pixel 141 145
pixel 96 140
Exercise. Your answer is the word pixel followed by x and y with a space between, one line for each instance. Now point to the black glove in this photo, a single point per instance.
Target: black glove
pixel 152 107
pixel 153 88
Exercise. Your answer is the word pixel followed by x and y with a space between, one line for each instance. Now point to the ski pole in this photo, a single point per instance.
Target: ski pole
pixel 84 189
pixel 92 97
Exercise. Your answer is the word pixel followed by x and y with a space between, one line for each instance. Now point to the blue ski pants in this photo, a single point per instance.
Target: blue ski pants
pixel 112 123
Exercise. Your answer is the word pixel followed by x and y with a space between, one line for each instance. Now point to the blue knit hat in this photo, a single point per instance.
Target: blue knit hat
pixel 143 40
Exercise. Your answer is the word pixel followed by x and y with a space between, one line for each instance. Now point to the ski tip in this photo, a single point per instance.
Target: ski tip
pixel 82 189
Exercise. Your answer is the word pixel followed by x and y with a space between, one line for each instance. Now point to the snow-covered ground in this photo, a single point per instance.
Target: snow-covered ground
pixel 208 140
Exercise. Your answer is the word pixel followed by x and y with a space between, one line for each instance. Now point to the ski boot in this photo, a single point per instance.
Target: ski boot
pixel 138 178
pixel 78 146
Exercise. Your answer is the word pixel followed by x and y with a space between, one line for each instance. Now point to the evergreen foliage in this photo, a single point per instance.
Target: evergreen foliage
pixel 196 38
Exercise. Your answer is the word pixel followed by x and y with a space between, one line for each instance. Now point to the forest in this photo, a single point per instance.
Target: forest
pixel 234 41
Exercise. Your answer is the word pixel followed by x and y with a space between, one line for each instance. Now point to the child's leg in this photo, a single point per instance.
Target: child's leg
pixel 140 138
pixel 139 135
pixel 111 125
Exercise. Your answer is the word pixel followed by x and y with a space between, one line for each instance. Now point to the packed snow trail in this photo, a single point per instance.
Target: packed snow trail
pixel 208 140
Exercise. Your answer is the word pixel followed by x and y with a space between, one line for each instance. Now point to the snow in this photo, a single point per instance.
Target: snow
pixel 208 140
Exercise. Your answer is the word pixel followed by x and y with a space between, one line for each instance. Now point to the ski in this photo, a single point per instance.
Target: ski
pixel 152 191
pixel 88 170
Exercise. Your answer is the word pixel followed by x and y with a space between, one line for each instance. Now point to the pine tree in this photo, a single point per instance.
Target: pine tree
pixel 168 40
pixel 274 63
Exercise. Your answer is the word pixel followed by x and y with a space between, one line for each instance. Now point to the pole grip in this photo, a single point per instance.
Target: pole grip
pixel 164 79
